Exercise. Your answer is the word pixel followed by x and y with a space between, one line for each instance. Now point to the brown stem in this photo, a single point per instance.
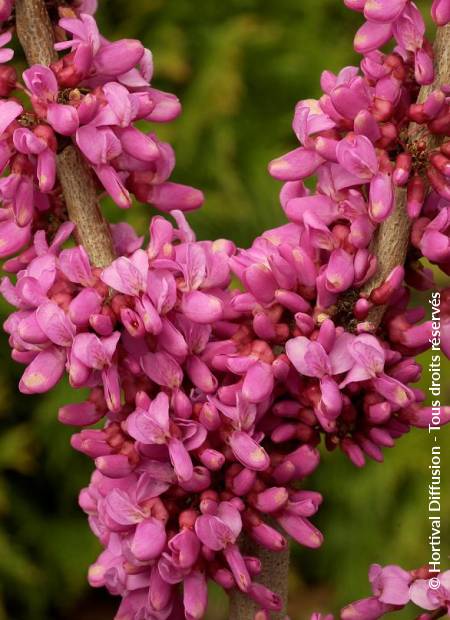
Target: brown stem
pixel 392 240
pixel 78 186
pixel 274 575
pixel 35 33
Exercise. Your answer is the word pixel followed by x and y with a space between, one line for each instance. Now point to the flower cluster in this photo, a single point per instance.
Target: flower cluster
pixel 215 399
pixel 402 20
pixel 187 391
pixel 91 96
pixel 393 588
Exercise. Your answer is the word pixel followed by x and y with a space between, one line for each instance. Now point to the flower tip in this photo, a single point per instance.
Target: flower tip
pixel 277 166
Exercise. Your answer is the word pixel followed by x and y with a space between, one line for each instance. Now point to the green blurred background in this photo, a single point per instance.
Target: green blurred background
pixel 239 67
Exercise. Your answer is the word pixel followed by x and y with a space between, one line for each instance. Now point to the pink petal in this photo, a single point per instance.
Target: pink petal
pixel 12 237
pixel 381 197
pixel 112 183
pixel 46 170
pixel 41 81
pixel 441 12
pixel 419 592
pixel 149 540
pixel 316 359
pixel 258 383
pixel 238 567
pixel 297 164
pixel 357 155
pixel 55 324
pixel 137 144
pixel 123 276
pixel 301 530
pixel 181 460
pixel 195 595
pixel 365 609
pixel 372 36
pixel 394 391
pixel 200 375
pixel 348 101
pixel 167 106
pixel 261 283
pixel 339 356
pixel 163 369
pixel 75 265
pixel 121 509
pixel 357 374
pixel 79 414
pixel 9 111
pixel 63 118
pixel 111 387
pixel 169 196
pixel 87 303
pixel 44 372
pixel 248 452
pixel 340 272
pixel 119 57
pixel 331 401
pixel 367 352
pixel 159 410
pixel 212 532
pixel 295 350
pixel 383 11
pixel 201 307
pixel 142 427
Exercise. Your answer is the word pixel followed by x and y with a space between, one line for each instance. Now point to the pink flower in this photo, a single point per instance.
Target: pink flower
pixel 311 359
pixel 369 359
pixel 152 427
pixel 219 532
pixel 424 596
pixel 28 143
pixel 390 584
pixel 42 84
pixel 148 532
pixel 128 275
pixel 107 59
pixel 92 352
pixel 357 155
pixel 309 120
pixel 245 447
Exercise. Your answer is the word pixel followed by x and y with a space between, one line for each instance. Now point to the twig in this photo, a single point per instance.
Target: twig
pixel 35 32
pixel 274 575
